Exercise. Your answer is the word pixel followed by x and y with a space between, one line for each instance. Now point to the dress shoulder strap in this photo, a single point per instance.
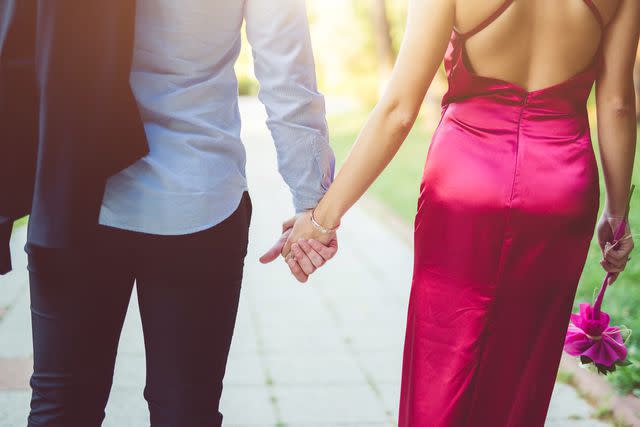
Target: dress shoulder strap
pixel 595 11
pixel 484 24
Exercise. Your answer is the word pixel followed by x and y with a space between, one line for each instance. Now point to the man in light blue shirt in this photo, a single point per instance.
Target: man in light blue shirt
pixel 184 81
pixel 176 221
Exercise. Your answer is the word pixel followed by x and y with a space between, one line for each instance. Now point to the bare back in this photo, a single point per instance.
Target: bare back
pixel 533 43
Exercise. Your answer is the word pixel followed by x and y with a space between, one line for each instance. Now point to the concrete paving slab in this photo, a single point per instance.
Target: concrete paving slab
pixel 329 405
pixel 14 408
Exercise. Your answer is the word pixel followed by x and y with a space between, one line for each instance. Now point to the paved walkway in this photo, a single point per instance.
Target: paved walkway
pixel 325 354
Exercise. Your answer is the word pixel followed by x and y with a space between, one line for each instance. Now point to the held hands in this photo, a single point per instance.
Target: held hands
pixel 615 254
pixel 303 246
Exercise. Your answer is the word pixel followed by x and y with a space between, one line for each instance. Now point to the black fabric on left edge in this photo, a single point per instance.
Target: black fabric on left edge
pixel 19 101
pixel 6 225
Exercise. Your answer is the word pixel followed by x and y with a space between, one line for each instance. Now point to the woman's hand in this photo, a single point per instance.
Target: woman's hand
pixel 303 257
pixel 307 248
pixel 615 254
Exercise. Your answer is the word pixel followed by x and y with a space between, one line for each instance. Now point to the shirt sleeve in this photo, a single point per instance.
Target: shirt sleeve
pixel 278 31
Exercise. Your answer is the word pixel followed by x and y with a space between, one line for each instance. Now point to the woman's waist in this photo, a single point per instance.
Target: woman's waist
pixel 485 116
pixel 540 104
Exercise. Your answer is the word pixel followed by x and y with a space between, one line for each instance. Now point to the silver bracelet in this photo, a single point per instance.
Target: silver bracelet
pixel 319 227
pixel 613 217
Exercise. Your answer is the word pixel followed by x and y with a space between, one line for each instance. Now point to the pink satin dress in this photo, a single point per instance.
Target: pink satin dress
pixel 507 210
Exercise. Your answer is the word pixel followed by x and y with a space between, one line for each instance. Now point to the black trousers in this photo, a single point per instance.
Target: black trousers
pixel 188 290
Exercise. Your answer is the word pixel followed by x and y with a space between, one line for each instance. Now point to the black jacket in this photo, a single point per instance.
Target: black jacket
pixel 68 118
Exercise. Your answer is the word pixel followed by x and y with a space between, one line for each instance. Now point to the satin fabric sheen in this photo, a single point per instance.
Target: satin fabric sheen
pixel 506 213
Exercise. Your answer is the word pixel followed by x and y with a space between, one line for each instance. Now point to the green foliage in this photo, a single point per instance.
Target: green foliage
pixel 21 222
pixel 399 184
pixel 565 377
pixel 247 83
pixel 603 413
pixel 344 48
pixel 247 86
pixel 344 45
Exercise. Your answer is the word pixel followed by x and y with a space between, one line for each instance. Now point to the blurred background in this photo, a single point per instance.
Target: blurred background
pixel 355 44
pixel 328 354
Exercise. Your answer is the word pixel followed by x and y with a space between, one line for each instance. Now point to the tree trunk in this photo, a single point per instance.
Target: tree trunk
pixel 382 33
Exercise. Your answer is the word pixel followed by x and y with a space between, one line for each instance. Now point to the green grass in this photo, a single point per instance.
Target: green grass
pixel 21 222
pixel 398 188
pixel 566 378
pixel 399 184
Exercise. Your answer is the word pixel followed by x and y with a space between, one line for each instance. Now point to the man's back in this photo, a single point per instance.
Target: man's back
pixel 184 81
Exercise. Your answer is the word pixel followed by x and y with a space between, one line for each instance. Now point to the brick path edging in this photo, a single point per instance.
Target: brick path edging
pixel 624 408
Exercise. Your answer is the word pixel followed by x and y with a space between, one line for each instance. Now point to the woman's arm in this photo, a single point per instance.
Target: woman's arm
pixel 636 78
pixel 615 99
pixel 429 27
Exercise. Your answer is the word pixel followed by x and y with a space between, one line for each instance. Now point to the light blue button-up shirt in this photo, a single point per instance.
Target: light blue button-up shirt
pixel 184 81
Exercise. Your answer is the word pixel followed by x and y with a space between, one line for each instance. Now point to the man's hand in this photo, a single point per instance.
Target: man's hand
pixel 276 249
pixel 303 252
pixel 302 258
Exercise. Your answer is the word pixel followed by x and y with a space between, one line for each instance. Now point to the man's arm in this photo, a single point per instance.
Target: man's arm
pixel 278 31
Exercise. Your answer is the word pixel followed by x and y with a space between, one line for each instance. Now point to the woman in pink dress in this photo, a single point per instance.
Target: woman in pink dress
pixel 509 196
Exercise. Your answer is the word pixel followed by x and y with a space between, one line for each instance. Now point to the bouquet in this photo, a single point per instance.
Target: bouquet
pixel 590 335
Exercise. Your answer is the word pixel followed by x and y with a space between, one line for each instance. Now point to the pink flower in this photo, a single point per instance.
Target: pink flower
pixel 594 340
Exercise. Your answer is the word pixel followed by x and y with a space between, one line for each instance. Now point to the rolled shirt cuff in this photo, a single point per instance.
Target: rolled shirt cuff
pixel 303 204
pixel 308 195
